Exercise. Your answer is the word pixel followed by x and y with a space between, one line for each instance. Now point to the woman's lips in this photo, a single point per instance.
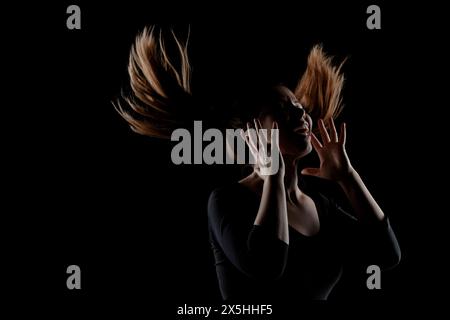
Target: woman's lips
pixel 303 129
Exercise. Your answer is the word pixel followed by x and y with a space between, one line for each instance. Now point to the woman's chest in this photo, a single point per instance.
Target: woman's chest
pixel 303 216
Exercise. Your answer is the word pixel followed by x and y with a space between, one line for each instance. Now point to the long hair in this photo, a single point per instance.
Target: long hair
pixel 161 99
pixel 319 89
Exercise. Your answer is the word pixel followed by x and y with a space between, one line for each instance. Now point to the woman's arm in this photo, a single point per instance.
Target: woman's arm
pixel 272 212
pixel 255 250
pixel 363 204
pixel 335 165
pixel 258 250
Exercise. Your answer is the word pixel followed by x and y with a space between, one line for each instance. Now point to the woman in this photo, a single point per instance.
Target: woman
pixel 272 235
pixel 272 238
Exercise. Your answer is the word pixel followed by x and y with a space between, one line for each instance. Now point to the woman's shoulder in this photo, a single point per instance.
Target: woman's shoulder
pixel 328 201
pixel 232 196
pixel 229 191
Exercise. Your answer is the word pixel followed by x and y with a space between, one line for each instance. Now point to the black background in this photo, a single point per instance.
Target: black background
pixel 83 189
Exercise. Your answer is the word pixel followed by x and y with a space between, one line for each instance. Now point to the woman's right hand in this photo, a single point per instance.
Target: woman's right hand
pixel 266 165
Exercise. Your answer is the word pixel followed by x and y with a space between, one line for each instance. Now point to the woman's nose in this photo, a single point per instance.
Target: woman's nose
pixel 297 112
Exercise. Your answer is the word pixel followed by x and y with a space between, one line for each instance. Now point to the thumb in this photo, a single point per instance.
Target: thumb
pixel 311 171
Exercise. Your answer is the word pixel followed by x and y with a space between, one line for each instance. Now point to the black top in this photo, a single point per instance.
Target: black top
pixel 253 264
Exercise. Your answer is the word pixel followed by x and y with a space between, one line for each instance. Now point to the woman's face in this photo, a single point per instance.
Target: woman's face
pixel 294 123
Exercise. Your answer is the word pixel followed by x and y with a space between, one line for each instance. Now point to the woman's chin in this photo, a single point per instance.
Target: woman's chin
pixel 307 150
pixel 300 148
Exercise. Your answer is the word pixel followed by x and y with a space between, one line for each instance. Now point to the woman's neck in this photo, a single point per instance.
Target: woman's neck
pixel 291 177
pixel 254 181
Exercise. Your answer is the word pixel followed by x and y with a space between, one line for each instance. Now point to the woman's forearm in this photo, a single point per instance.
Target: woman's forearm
pixel 362 202
pixel 272 210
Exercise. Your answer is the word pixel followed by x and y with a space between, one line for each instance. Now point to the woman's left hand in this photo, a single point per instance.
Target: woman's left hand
pixel 334 162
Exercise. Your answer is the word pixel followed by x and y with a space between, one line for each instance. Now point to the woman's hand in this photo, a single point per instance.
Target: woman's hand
pixel 257 143
pixel 334 162
pixel 272 211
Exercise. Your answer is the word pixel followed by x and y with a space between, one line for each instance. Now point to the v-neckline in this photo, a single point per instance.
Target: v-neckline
pixel 318 210
pixel 313 198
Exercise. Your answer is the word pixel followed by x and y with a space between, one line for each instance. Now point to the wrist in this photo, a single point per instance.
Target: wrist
pixel 349 178
pixel 275 179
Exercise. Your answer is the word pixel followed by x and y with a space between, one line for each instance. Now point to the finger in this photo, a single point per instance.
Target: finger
pixel 259 123
pixel 266 135
pixel 256 124
pixel 333 132
pixel 316 143
pixel 251 147
pixel 243 135
pixel 251 138
pixel 343 133
pixel 251 135
pixel 262 137
pixel 311 172
pixel 323 132
pixel 275 135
